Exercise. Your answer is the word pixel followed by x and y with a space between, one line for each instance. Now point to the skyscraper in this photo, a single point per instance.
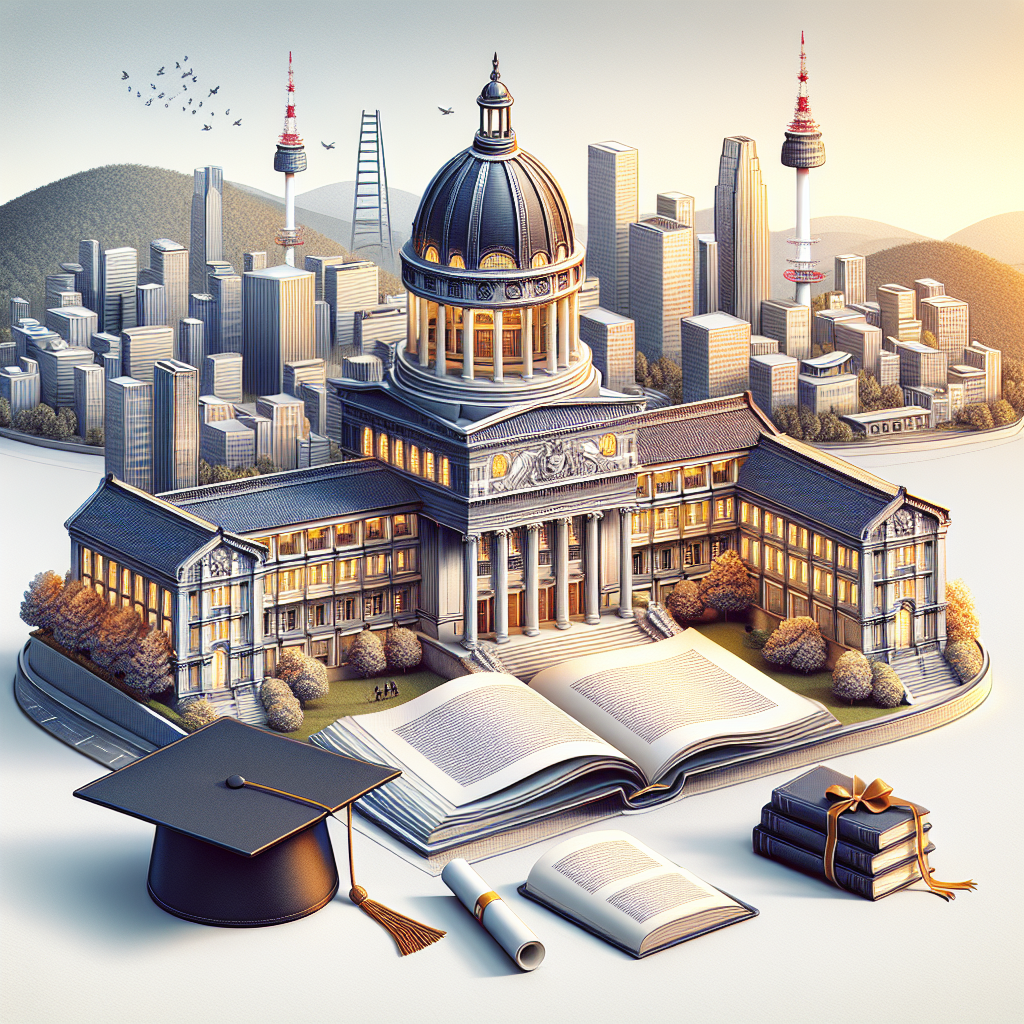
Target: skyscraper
pixel 741 230
pixel 850 277
pixel 75 324
pixel 715 356
pixel 897 304
pixel 277 325
pixel 128 431
pixel 349 287
pixel 119 273
pixel 789 323
pixel 168 263
pixel 175 425
pixel 222 376
pixel 142 348
pixel 89 393
pixel 660 284
pixel 226 290
pixel 612 205
pixel 203 306
pixel 191 346
pixel 948 320
pixel 151 305
pixel 706 275
pixel 611 341
pixel 318 265
pixel 89 281
pixel 206 240
pixel 287 416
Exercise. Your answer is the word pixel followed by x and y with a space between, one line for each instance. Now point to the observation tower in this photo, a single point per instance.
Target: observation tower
pixel 289 158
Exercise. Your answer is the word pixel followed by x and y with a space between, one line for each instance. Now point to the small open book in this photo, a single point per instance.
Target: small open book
pixel 622 891
pixel 485 753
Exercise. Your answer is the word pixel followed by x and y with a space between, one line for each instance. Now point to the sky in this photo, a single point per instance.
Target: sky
pixel 912 97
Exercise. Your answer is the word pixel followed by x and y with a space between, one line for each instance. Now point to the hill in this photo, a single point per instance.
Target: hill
pixel 1001 237
pixel 994 290
pixel 127 204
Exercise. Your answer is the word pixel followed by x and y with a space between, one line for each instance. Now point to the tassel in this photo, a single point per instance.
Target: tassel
pixel 409 934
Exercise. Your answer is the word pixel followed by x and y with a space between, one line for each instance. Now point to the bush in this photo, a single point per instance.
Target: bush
pixel 809 423
pixel 728 586
pixel 285 715
pixel 965 658
pixel 66 426
pixel 366 655
pixel 961 618
pixel 797 643
pixel 94 436
pixel 196 713
pixel 886 688
pixel 1002 413
pixel 402 649
pixel 42 600
pixel 787 419
pixel 684 602
pixel 306 677
pixel 851 678
pixel 756 638
pixel 977 415
pixel 834 429
pixel 5 413
pixel 274 690
pixel 148 668
pixel 892 397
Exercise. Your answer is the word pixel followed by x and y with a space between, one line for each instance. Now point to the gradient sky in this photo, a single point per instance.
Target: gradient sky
pixel 921 104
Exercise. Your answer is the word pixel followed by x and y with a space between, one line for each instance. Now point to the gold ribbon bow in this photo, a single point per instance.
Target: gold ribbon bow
pixel 877 797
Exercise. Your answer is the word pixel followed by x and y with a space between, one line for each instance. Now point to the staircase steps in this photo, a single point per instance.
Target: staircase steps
pixel 250 707
pixel 926 676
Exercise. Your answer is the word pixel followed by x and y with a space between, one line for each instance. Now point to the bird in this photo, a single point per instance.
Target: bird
pixel 194 112
pixel 161 71
pixel 138 95
pixel 177 66
pixel 187 73
pixel 160 96
pixel 152 86
pixel 149 101
pixel 213 92
pixel 190 102
pixel 124 75
pixel 194 79
pixel 238 123
pixel 185 88
pixel 185 59
pixel 207 128
pixel 324 144
pixel 200 103
pixel 227 113
pixel 447 110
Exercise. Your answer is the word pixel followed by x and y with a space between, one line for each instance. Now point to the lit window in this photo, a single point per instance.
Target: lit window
pixel 126 581
pixel 723 508
pixel 540 259
pixel 374 529
pixel 153 595
pixel 398 456
pixel 696 513
pixel 289 544
pixel 640 522
pixel 99 567
pixel 431 255
pixel 446 473
pixel 112 574
pixel 499 466
pixel 797 570
pixel 348 569
pixel 455 260
pixel 317 540
pixel 345 533
pixel 167 603
pixel 220 597
pixel 414 459
pixel 695 476
pixel 721 472
pixel 667 518
pixel 367 441
pixel 905 556
pixel 382 446
pixel 608 445
pixel 404 525
pixel 86 562
pixel 428 465
pixel 497 261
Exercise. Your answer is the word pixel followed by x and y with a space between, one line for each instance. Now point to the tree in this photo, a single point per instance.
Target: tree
pixel 42 600
pixel 66 425
pixel 684 602
pixel 285 715
pixel 641 369
pixel 366 655
pixel 221 474
pixel 94 436
pixel 929 339
pixel 148 671
pixel 976 415
pixel 305 676
pixel 834 429
pixel 205 474
pixel 886 687
pixel 273 690
pixel 809 423
pixel 1002 413
pixel 820 302
pixel 5 413
pixel 728 586
pixel 196 713
pixel 117 637
pixel 892 397
pixel 851 677
pixel 81 613
pixel 961 618
pixel 402 649
pixel 965 658
pixel 44 421
pixel 265 464
pixel 787 419
pixel 869 392
pixel 797 643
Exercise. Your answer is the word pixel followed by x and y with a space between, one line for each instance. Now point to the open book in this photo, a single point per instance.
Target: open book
pixel 622 891
pixel 486 753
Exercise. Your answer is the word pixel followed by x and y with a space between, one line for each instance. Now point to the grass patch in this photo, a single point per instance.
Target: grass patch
pixel 816 685
pixel 355 697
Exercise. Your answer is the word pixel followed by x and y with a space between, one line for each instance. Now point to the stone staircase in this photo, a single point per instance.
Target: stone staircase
pixel 925 676
pixel 249 706
pixel 486 659
pixel 528 657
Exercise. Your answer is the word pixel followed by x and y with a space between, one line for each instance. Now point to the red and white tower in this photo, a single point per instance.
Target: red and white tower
pixel 803 149
pixel 290 158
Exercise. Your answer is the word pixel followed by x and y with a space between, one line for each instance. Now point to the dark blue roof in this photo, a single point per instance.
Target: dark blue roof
pixel 546 418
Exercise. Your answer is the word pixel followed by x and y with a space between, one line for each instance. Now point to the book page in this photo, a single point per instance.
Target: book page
pixel 657 701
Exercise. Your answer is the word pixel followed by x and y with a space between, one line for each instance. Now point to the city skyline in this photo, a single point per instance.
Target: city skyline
pixel 859 72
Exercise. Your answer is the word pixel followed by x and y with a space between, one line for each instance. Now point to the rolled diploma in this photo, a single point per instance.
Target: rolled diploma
pixel 505 928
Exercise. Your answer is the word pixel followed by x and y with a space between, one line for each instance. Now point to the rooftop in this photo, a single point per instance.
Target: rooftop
pixel 886 414
pixel 775 359
pixel 614 147
pixel 604 316
pixel 279 272
pixel 714 321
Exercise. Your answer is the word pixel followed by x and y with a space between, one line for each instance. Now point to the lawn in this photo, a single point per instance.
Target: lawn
pixel 817 685
pixel 355 697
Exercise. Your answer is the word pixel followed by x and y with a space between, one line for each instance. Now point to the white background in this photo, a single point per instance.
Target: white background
pixel 83 942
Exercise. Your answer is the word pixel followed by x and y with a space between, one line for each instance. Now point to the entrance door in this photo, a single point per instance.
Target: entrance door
pixel 576 598
pixel 485 615
pixel 516 608
pixel 903 630
pixel 546 603
pixel 220 669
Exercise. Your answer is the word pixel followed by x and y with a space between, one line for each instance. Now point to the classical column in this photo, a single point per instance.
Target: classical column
pixel 563 331
pixel 527 341
pixel 469 556
pixel 468 323
pixel 625 563
pixel 501 586
pixel 532 611
pixel 592 594
pixel 552 340
pixel 574 325
pixel 440 355
pixel 562 573
pixel 411 324
pixel 423 344
pixel 497 348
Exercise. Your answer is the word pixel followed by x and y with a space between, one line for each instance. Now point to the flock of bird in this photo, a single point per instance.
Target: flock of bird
pixel 176 92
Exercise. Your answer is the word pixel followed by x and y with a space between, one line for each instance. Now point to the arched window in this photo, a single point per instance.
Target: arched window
pixel 431 254
pixel 608 445
pixel 561 253
pixel 497 261
pixel 499 466
pixel 455 260
pixel 540 259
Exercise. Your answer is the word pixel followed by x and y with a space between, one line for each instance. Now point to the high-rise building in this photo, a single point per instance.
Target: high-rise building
pixel 863 342
pixel 103 344
pixel 660 284
pixel 312 450
pixel 850 277
pixel 972 379
pixel 589 294
pixel 128 431
pixel 612 345
pixel 206 238
pixel 895 303
pixel 213 409
pixel 89 386
pixel 888 368
pixel 226 290
pixel 379 329
pixel 322 330
pixel 8 353
pixel 824 322
pixel 142 348
pixel 349 287
pixel 982 357
pixel 909 330
pixel 826 383
pixel 706 275
pixel 314 399
pixel 612 205
pixel 175 425
pixel 741 229
pixel 287 416
pixel 926 288
pixel 762 345
pixel 57 372
pixel 222 376
pixel 203 306
pixel 60 291
pixel 789 323
pixel 254 261
pixel 21 386
pixel 151 305
pixel 262 432
pixel 20 308
pixel 277 325
pixel 75 324
pixel 920 364
pixel 680 207
pixel 318 265
pixel 88 284
pixel 119 273
pixel 715 356
pixel 168 264
pixel 303 371
pixel 948 319
pixel 227 443
pixel 871 312
pixel 773 380
pixel 191 341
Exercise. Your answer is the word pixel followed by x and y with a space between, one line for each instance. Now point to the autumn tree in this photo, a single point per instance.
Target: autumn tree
pixel 640 370
pixel 834 429
pixel 196 713
pixel 684 603
pixel 366 655
pixel 1002 413
pixel 148 671
pixel 81 613
pixel 66 425
pixel 797 643
pixel 117 637
pixel 728 586
pixel 305 676
pixel 42 600
pixel 869 392
pixel 961 617
pixel 929 339
pixel 977 415
pixel 892 397
pixel 851 677
pixel 402 649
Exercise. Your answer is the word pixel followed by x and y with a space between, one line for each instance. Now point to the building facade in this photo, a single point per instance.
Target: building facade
pixel 660 284
pixel 773 380
pixel 611 341
pixel 128 432
pixel 277 325
pixel 948 320
pixel 206 237
pixel 850 277
pixel 612 205
pixel 715 356
pixel 119 277
pixel 175 425
pixel 789 323
pixel 90 387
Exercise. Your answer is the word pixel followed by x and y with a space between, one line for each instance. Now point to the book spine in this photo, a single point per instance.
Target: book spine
pixel 813 840
pixel 849 830
pixel 809 863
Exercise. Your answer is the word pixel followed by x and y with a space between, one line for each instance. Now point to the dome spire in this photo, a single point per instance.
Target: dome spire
pixel 495 73
pixel 495 134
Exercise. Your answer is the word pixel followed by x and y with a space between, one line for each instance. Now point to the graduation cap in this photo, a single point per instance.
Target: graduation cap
pixel 241 827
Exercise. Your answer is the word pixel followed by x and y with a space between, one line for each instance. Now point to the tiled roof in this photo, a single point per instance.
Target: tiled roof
pixel 544 419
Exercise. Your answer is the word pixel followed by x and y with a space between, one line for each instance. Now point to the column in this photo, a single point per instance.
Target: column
pixel 468 323
pixel 440 356
pixel 563 331
pixel 562 573
pixel 574 325
pixel 532 610
pixel 501 586
pixel 469 557
pixel 552 342
pixel 625 563
pixel 527 341
pixel 411 323
pixel 423 343
pixel 497 348
pixel 592 586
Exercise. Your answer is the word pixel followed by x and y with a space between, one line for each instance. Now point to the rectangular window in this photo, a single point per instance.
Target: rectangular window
pixel 780 527
pixel 126 582
pixel 749 551
pixel 667 518
pixel 696 513
pixel 693 553
pixel 643 486
pixel 446 478
pixel 373 604
pixel 112 574
pixel 695 476
pixel 666 558
pixel 167 603
pixel 374 529
pixel 665 483
pixel 289 544
pixel 193 638
pixel 641 523
pixel 769 522
pixel 405 560
pixel 905 555
pixel 99 567
pixel 414 459
pixel 745 510
pixel 86 562
pixel 404 525
pixel 348 569
pixel 774 560
pixel 319 615
pixel 220 597
pixel 382 447
pixel 774 595
pixel 318 539
pixel 217 630
pixel 367 441
pixel 723 509
pixel 797 570
pixel 398 456
pixel 345 609
pixel 428 465
pixel 403 600
pixel 245 667
pixel 193 605
pixel 153 590
pixel 344 534
pixel 320 574
pixel 879 598
pixel 376 565
pixel 292 579
pixel 638 563
pixel 878 564
pixel 721 472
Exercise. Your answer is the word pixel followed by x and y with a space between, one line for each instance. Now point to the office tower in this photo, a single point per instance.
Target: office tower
pixel 290 159
pixel 827 383
pixel 103 344
pixel 203 306
pixel 379 330
pixel 312 450
pixel 920 364
pixel 213 409
pixel 612 205
pixel 789 323
pixel 277 325
pixel 863 342
pixel 760 345
pixel 888 368
pixel 287 416
pixel 21 386
pixel 60 291
pixel 206 238
pixel 895 303
pixel 317 265
pixel 926 288
pixel 88 284
pixel 175 425
pixel 262 432
pixel 773 380
pixel 349 287
pixel 314 400
pixel 222 376
pixel 227 443
pixel 90 385
pixel 909 330
pixel 226 290
pixel 19 308
pixel 142 348
pixel 302 371
pixel 28 334
pixel 589 295
pixel 322 330
pixel 217 268
pixel 823 325
pixel 128 431
pixel 57 372
pixel 741 229
pixel 254 261
pixel 972 379
pixel 660 284
pixel 850 277
pixel 169 266
pixel 680 207
pixel 871 312
pixel 706 275
pixel 151 305
pixel 75 324
pixel 715 356
pixel 191 341
pixel 119 272
pixel 612 345
pixel 948 320
pixel 982 357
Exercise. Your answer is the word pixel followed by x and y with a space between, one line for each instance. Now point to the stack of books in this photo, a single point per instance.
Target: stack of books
pixel 876 854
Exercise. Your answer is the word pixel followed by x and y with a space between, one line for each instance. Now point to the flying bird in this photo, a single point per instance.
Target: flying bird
pixel 138 95
pixel 152 86
pixel 194 112
pixel 207 128
pixel 238 123
pixel 124 75
pixel 185 59
pixel 213 92
pixel 200 103
pixel 324 144
pixel 177 66
pixel 187 73
pixel 161 71
pixel 160 96
pixel 227 113
pixel 447 110
pixel 190 102
pixel 194 79
pixel 149 101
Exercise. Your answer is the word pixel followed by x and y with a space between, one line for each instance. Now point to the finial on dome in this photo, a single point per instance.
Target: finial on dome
pixel 495 74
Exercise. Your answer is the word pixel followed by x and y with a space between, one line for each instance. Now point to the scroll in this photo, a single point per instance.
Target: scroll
pixel 493 913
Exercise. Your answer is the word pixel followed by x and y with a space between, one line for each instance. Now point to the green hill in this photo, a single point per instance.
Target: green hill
pixel 994 290
pixel 127 204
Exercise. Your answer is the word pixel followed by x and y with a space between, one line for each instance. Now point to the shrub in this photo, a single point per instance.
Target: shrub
pixel 285 715
pixel 728 586
pixel 684 602
pixel 886 689
pixel 1002 412
pixel 366 655
pixel 265 464
pixel 5 413
pixel 965 658
pixel 834 429
pixel 94 436
pixel 797 643
pixel 976 415
pixel 117 637
pixel 196 713
pixel 82 614
pixel 44 421
pixel 892 397
pixel 42 600
pixel 274 690
pixel 148 668
pixel 961 618
pixel 756 638
pixel 787 419
pixel 66 425
pixel 809 423
pixel 305 676
pixel 402 649
pixel 851 678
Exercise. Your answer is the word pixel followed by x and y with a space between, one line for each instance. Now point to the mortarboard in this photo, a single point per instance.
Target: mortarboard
pixel 241 826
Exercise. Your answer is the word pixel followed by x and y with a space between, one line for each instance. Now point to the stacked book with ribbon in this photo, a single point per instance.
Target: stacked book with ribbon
pixel 858 837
